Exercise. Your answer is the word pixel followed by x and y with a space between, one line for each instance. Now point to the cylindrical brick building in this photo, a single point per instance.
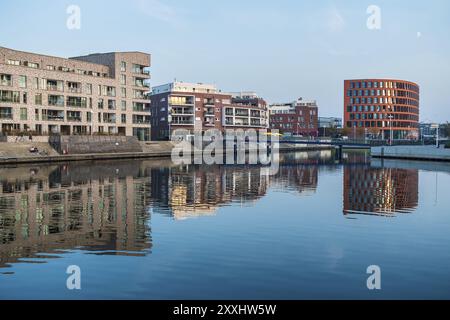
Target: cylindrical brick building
pixel 381 108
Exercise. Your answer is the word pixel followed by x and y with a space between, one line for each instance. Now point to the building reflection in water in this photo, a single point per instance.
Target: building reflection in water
pixel 98 207
pixel 380 191
pixel 106 207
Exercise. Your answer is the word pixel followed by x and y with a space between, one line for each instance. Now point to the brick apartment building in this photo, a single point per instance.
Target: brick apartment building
pixel 382 108
pixel 94 94
pixel 298 118
pixel 181 105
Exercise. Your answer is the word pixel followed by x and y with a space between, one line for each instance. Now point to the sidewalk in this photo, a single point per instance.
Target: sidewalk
pixel 412 152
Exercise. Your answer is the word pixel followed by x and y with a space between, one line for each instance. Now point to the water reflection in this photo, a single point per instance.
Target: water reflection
pixel 106 207
pixel 380 191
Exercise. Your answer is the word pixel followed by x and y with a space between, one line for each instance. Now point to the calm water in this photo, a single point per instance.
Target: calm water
pixel 151 230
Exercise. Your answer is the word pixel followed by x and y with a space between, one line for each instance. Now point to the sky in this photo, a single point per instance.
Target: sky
pixel 281 49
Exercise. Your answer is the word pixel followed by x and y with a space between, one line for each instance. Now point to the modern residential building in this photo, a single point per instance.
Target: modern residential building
pixel 382 107
pixel 298 118
pixel 102 93
pixel 181 105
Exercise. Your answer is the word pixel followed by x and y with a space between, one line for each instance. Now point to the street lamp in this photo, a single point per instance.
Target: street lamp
pixel 391 134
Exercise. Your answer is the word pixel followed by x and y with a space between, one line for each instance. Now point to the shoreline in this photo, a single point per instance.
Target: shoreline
pixel 125 155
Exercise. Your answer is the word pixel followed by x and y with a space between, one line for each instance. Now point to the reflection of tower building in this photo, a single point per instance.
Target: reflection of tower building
pixel 94 207
pixel 379 191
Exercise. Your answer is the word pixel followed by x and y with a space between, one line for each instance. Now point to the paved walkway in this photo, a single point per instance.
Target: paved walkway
pixel 22 149
pixel 412 152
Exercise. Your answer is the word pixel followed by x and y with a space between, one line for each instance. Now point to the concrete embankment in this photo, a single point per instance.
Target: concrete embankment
pixel 429 153
pixel 16 153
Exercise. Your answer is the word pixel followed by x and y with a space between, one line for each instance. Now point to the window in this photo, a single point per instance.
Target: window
pixel 10 96
pixel 88 88
pixel 123 118
pixel 23 114
pixel 56 101
pixel 22 81
pixel 123 66
pixel 124 92
pixel 112 104
pixel 13 62
pixel 123 105
pixel 5 80
pixel 80 102
pixel 100 104
pixel 51 68
pixel 89 116
pixel 38 99
pixel 36 114
pixel 123 79
pixel 35 83
pixel 31 65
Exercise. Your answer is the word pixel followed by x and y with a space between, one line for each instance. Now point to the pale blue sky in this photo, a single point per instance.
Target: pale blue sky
pixel 281 49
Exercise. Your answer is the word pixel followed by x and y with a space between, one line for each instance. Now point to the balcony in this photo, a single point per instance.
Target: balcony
pixel 181 111
pixel 55 85
pixel 241 113
pixel 209 102
pixel 139 69
pixel 109 118
pixel 76 102
pixel 53 115
pixel 10 96
pixel 137 119
pixel 141 107
pixel 73 119
pixel 181 101
pixel 56 101
pixel 74 87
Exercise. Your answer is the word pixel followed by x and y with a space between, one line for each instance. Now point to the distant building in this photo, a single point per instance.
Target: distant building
pixel 181 105
pixel 298 118
pixel 428 130
pixel 330 122
pixel 382 106
pixel 328 126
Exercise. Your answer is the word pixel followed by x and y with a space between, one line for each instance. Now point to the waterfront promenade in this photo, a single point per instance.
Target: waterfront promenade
pixel 19 152
pixel 412 153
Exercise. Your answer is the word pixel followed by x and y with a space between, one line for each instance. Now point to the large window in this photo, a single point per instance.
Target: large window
pixel 22 81
pixel 6 113
pixel 38 99
pixel 23 114
pixel 5 80
pixel 79 102
pixel 56 101
pixel 9 96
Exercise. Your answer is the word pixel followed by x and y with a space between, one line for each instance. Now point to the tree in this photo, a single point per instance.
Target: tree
pixel 446 130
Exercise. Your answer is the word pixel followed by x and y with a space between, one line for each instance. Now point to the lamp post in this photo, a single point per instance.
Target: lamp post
pixel 391 134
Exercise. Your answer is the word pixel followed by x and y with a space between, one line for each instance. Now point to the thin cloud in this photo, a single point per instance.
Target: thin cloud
pixel 157 9
pixel 336 22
